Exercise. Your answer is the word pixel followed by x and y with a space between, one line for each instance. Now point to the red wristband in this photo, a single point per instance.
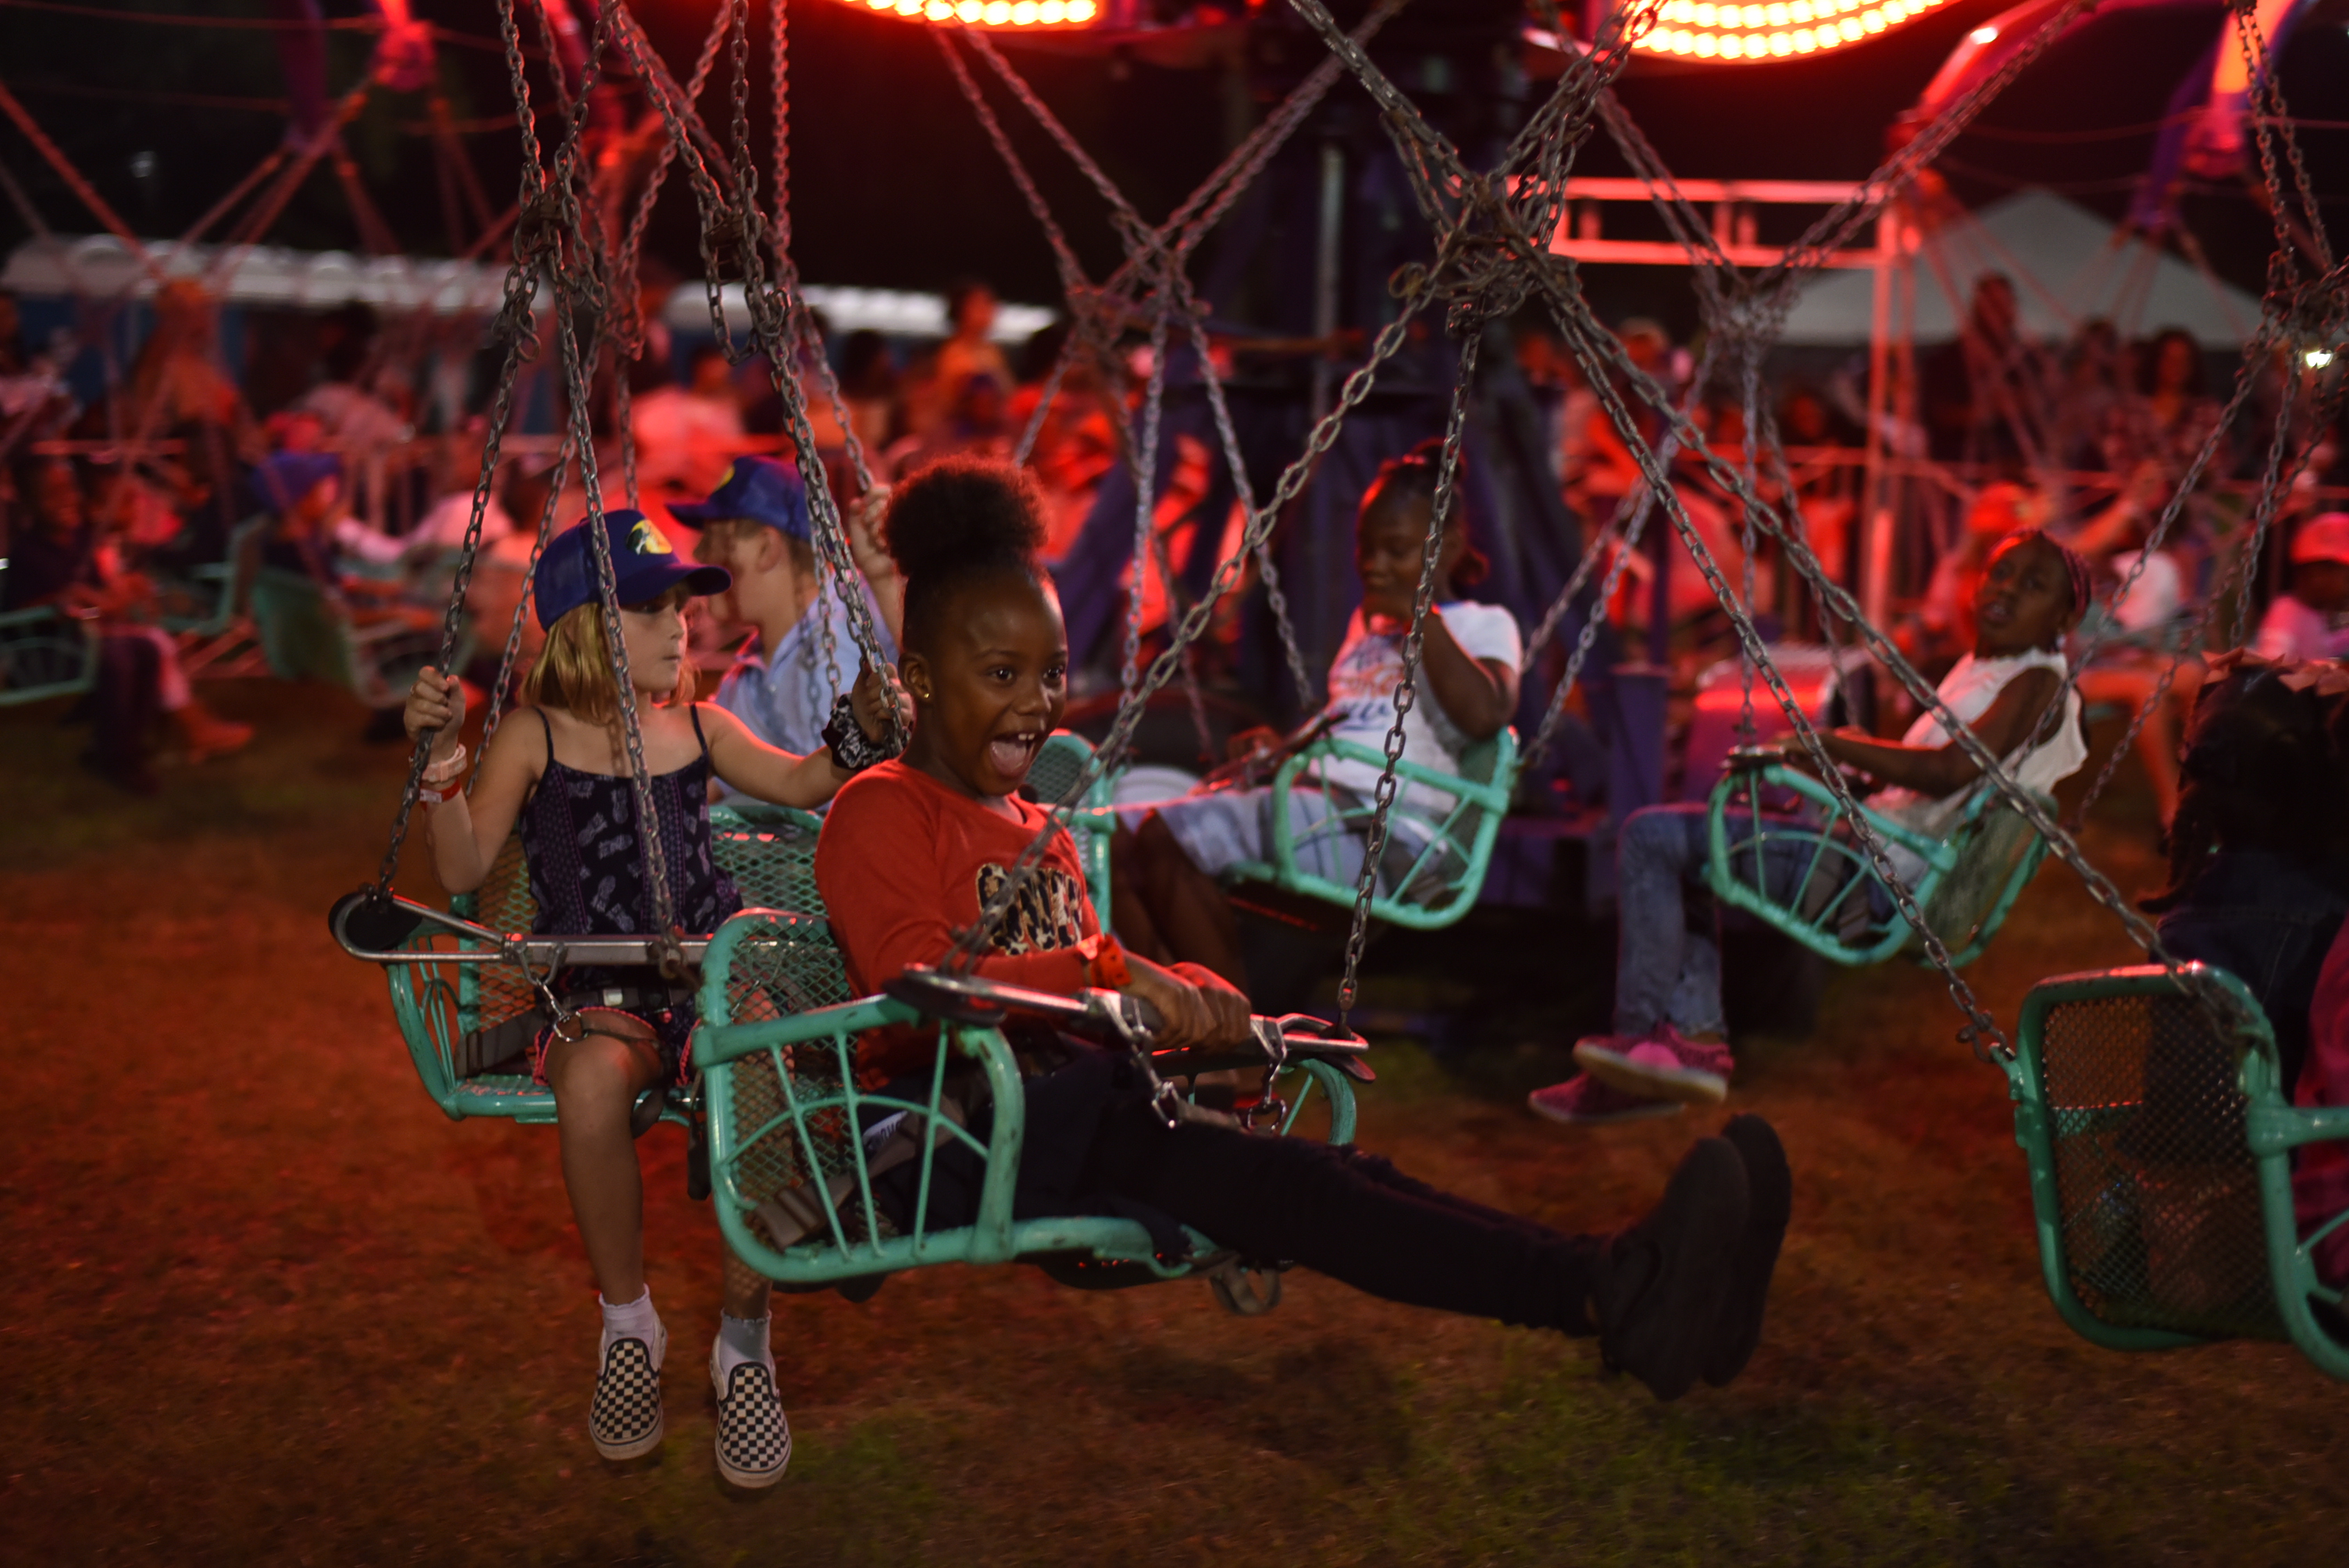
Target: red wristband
pixel 1105 964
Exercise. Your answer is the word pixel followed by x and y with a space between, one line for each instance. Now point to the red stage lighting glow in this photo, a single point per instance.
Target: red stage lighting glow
pixel 1700 29
pixel 1029 15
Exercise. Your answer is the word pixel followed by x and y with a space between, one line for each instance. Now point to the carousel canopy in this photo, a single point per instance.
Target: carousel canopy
pixel 2068 265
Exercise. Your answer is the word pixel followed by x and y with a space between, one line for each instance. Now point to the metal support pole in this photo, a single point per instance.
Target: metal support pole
pixel 1874 490
pixel 1327 237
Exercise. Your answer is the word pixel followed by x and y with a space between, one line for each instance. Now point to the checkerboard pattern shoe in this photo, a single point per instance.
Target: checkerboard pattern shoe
pixel 1583 1101
pixel 1664 1064
pixel 754 1439
pixel 625 1422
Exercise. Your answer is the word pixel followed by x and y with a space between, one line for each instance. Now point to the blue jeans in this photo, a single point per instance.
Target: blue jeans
pixel 2267 919
pixel 1667 955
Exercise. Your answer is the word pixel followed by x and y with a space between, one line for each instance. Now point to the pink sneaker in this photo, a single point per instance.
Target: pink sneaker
pixel 1664 1063
pixel 1583 1101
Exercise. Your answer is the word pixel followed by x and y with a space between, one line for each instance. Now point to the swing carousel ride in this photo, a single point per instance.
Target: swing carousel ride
pixel 1411 201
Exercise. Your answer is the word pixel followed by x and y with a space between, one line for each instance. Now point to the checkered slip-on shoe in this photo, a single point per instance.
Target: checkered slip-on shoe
pixel 625 1422
pixel 754 1441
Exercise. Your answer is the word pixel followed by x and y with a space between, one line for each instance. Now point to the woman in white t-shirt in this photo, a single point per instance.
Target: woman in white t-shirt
pixel 1169 904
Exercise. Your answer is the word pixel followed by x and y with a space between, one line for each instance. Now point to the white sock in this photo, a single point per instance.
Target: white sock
pixel 741 1340
pixel 636 1320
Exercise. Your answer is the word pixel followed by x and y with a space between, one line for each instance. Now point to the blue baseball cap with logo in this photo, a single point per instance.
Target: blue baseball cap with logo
pixel 760 489
pixel 644 567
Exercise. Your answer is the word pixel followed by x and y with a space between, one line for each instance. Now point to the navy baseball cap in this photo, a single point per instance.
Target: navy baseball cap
pixel 762 490
pixel 644 567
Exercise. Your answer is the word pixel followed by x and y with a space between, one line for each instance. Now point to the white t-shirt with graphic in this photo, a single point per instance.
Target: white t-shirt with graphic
pixel 1364 677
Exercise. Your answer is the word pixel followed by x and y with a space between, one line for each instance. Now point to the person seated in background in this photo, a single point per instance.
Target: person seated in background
pixel 756 525
pixel 301 493
pixel 1944 629
pixel 1669 1044
pixel 687 435
pixel 2142 626
pixel 2305 622
pixel 1169 856
pixel 57 557
pixel 969 350
pixel 2258 852
pixel 912 852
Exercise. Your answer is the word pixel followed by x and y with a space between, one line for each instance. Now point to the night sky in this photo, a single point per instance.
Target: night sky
pixel 894 185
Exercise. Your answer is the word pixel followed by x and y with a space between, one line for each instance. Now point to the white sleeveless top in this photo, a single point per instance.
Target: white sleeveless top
pixel 1968 691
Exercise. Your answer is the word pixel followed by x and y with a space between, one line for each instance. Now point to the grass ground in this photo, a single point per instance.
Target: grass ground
pixel 265 1305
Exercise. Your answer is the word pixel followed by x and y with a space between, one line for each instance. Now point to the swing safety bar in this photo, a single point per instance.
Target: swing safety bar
pixel 350 922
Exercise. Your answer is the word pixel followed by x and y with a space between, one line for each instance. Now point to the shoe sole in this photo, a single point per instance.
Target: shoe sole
pixel 1633 1113
pixel 748 1480
pixel 1689 1086
pixel 1698 1223
pixel 1770 1203
pixel 632 1450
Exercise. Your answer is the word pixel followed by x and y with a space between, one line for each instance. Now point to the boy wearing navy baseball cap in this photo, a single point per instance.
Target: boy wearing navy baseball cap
pixel 755 524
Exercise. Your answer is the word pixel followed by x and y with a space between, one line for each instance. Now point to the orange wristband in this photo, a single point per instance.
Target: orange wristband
pixel 1105 964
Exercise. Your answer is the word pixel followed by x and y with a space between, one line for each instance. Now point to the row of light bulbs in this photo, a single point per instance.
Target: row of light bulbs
pixel 995 12
pixel 1774 31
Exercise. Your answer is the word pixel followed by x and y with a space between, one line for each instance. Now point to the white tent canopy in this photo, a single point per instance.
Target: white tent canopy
pixel 2068 265
pixel 102 266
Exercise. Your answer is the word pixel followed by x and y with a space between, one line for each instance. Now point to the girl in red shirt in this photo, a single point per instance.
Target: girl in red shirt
pixel 913 847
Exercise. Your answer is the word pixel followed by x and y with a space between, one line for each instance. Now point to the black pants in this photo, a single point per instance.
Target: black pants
pixel 1093 1145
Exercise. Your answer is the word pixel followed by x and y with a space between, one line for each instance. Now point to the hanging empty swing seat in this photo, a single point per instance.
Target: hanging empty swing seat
pixel 2160 1142
pixel 799 1148
pixel 1840 909
pixel 1436 857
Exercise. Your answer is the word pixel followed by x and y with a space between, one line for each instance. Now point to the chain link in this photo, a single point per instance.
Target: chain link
pixel 1382 795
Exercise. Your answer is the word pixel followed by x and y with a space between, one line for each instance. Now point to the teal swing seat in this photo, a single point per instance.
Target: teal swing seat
pixel 793 1185
pixel 447 1011
pixel 45 652
pixel 307 633
pixel 1438 864
pixel 1970 879
pixel 2159 1141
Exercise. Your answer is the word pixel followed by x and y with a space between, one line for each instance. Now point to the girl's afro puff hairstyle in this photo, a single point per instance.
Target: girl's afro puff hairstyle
pixel 957 520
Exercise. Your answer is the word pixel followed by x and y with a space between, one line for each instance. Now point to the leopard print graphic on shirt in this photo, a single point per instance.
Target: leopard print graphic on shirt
pixel 1046 915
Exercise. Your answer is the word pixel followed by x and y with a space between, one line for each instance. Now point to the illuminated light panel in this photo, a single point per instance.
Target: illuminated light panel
pixel 1984 34
pixel 1780 29
pixel 991 14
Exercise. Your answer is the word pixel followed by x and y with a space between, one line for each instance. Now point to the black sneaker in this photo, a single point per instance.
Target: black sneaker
pixel 1770 1186
pixel 1662 1280
pixel 754 1439
pixel 625 1422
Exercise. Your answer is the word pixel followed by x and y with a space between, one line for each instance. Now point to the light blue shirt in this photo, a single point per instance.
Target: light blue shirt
pixel 786 696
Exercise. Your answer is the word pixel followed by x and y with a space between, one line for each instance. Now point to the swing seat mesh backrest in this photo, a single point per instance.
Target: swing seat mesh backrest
pixel 2156 1186
pixel 769 850
pixel 791 967
pixel 1994 848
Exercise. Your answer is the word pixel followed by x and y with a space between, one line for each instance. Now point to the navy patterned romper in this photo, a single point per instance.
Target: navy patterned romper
pixel 586 876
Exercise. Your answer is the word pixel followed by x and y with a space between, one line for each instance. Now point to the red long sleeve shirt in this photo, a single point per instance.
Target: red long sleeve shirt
pixel 905 863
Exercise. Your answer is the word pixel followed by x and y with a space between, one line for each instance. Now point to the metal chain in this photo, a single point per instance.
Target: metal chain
pixel 1142 457
pixel 1382 795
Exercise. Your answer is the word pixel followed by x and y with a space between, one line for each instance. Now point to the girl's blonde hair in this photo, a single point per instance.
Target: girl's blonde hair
pixel 573 671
